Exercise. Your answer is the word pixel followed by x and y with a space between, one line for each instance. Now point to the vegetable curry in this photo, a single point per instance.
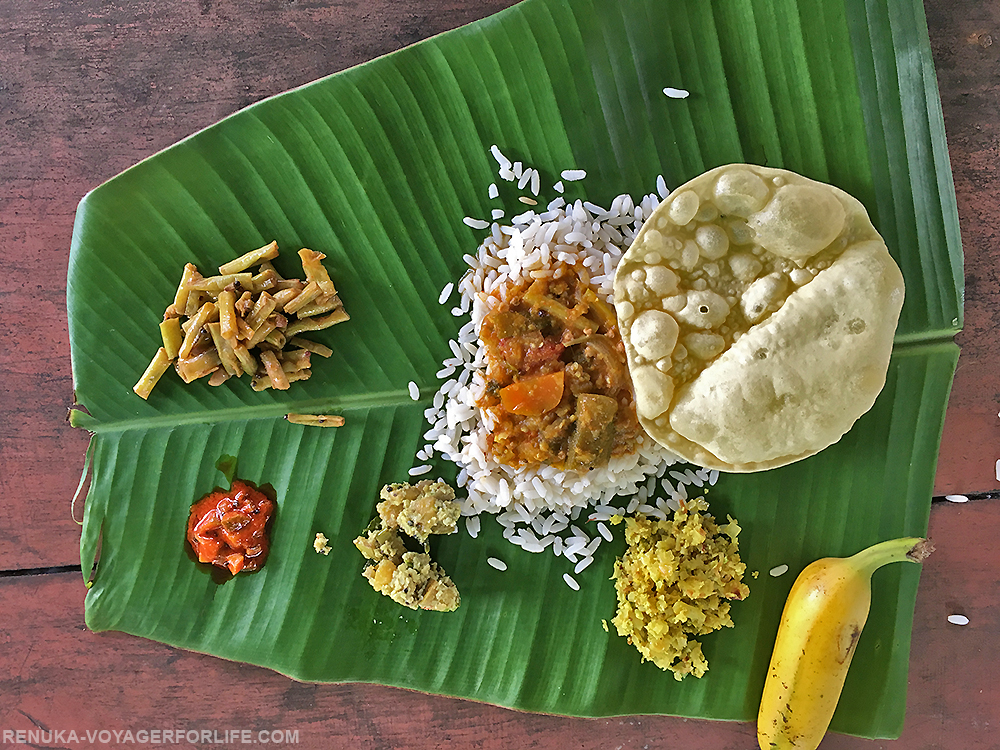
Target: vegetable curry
pixel 558 390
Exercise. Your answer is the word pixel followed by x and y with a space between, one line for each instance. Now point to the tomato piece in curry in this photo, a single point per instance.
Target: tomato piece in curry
pixel 230 528
pixel 557 390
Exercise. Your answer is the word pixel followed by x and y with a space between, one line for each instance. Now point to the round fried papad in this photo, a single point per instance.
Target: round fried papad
pixel 758 309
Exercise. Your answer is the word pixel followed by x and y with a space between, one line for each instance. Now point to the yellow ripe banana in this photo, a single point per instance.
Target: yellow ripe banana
pixel 820 625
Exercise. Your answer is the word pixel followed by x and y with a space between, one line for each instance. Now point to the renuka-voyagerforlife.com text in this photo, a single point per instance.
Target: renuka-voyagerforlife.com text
pixel 63 737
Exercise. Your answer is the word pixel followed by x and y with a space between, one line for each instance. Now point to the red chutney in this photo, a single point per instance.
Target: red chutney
pixel 229 529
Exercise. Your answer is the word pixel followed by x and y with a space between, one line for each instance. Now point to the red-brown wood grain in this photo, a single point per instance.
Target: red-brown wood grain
pixel 89 87
pixel 965 39
pixel 58 675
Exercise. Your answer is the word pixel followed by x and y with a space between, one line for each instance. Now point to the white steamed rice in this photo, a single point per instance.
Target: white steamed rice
pixel 541 508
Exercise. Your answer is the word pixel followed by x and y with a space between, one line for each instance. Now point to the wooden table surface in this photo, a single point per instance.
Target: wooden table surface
pixel 89 87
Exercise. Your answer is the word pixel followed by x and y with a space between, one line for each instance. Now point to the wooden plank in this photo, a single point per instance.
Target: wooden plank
pixel 55 674
pixel 965 39
pixel 87 89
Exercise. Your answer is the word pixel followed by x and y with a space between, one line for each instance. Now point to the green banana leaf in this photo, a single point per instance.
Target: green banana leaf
pixel 376 167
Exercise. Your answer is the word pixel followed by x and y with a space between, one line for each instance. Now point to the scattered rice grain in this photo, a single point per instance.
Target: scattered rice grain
pixel 446 292
pixel 605 531
pixel 661 187
pixel 472 525
pixel 502 161
pixel 475 223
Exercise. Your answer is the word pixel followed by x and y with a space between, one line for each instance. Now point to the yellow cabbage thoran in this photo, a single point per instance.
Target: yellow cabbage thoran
pixel 675 583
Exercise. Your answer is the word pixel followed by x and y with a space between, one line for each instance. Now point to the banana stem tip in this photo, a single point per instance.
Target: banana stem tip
pixel 920 551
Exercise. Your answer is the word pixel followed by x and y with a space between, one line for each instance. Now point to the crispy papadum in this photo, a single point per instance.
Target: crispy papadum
pixel 758 309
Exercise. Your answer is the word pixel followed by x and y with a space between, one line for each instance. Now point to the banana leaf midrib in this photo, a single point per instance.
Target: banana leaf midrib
pixel 79 418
